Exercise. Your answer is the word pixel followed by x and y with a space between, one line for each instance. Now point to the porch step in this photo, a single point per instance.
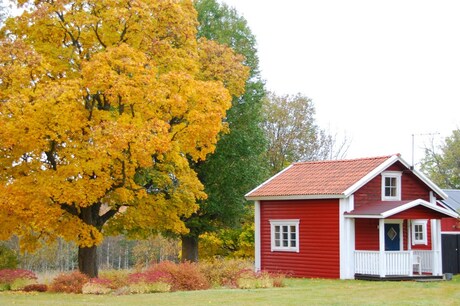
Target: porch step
pixel 398 277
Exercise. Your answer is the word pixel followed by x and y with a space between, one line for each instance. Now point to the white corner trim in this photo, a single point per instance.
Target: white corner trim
pixel 257 240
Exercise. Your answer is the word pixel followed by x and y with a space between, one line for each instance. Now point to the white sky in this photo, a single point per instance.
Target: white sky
pixel 377 71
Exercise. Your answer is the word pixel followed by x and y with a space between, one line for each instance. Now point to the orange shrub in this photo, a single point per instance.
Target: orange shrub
pixel 69 282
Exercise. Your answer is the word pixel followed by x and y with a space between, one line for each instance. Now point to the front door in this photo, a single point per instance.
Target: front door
pixel 392 237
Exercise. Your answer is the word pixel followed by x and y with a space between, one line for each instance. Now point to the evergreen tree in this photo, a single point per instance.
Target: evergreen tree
pixel 237 165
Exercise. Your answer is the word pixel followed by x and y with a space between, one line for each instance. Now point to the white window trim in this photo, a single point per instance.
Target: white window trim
pixel 286 222
pixel 423 223
pixel 393 174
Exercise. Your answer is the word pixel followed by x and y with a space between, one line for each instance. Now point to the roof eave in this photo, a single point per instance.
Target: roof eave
pixel 267 181
pixel 295 197
pixel 404 207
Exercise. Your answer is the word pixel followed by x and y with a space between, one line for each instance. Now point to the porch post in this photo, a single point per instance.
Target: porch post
pixel 382 261
pixel 257 259
pixel 436 246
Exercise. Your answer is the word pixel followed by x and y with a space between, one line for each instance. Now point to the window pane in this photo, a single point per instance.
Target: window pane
pixel 277 243
pixel 390 186
pixel 285 243
pixel 387 192
pixel 293 244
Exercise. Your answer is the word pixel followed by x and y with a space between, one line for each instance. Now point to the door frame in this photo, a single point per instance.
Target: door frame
pixel 399 222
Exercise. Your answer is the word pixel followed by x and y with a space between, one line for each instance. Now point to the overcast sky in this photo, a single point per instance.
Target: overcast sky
pixel 377 71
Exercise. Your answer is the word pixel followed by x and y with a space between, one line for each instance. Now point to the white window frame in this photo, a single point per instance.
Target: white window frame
pixel 288 223
pixel 423 224
pixel 392 174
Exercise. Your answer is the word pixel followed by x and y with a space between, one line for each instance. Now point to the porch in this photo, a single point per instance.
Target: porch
pixel 394 241
pixel 397 265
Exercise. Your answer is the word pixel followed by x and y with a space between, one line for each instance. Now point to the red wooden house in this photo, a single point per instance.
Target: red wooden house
pixel 370 217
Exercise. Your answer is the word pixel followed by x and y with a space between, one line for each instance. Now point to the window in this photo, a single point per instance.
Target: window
pixel 284 235
pixel 391 186
pixel 419 232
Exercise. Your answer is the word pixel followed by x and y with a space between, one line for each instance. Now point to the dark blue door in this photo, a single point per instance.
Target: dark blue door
pixel 392 237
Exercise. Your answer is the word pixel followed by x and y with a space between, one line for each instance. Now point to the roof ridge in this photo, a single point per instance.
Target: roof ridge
pixel 344 160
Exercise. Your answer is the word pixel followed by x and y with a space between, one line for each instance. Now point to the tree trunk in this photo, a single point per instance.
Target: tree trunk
pixel 189 248
pixel 87 261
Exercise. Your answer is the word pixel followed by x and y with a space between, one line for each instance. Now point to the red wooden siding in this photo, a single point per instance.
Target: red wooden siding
pixel 450 225
pixel 413 188
pixel 367 234
pixel 318 238
pixel 418 212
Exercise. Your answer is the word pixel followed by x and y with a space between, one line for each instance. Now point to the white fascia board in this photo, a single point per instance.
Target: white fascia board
pixel 296 197
pixel 424 179
pixel 414 203
pixel 264 183
pixel 379 169
pixel 364 216
pixel 444 205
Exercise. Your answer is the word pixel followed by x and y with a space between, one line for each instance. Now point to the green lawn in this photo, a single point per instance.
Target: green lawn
pixel 296 292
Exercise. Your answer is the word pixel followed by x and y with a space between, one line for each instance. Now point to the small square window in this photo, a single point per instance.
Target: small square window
pixel 391 186
pixel 285 235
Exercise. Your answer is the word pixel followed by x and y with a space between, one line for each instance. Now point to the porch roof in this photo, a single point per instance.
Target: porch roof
pixel 385 209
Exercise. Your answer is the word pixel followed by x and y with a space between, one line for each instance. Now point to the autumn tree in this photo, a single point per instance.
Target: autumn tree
pixel 237 165
pixel 442 164
pixel 293 134
pixel 102 106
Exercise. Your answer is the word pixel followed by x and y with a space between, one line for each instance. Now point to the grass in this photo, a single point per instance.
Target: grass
pixel 296 292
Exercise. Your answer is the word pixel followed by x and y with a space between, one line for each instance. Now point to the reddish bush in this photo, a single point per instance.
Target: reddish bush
pixel 36 287
pixel 69 282
pixel 183 276
pixel 101 281
pixel 8 276
pixel 149 276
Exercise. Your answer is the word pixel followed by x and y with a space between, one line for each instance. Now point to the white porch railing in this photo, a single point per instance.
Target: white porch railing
pixel 427 259
pixel 396 262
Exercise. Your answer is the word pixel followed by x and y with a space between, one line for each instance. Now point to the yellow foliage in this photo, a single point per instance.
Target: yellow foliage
pixel 103 102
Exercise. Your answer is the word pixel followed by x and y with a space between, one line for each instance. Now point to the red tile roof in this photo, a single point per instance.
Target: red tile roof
pixel 331 177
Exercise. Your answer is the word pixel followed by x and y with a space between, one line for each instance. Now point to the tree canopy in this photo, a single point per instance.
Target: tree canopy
pixel 442 164
pixel 292 132
pixel 102 105
pixel 237 165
